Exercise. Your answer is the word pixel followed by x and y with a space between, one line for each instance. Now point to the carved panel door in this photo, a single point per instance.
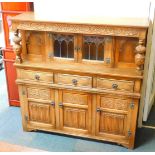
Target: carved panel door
pixel 75 112
pixel 40 107
pixel 113 117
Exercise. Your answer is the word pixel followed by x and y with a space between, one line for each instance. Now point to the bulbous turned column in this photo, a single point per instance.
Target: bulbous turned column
pixel 140 56
pixel 17 47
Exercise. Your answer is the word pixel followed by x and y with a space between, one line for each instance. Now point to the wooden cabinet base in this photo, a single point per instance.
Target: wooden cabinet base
pixel 79 113
pixel 124 143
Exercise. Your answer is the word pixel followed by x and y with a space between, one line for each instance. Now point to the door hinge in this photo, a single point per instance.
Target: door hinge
pixel 50 54
pixel 61 105
pixel 26 118
pixel 129 133
pixel 132 105
pixel 107 60
pixel 98 109
pixel 53 103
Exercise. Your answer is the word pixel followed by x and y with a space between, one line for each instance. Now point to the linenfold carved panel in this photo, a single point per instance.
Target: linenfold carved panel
pixel 75 118
pixel 108 123
pixel 39 112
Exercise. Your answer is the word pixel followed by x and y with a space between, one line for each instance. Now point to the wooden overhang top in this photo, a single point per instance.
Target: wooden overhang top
pixel 131 27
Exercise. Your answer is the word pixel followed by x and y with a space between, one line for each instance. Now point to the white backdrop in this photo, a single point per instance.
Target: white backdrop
pixel 114 8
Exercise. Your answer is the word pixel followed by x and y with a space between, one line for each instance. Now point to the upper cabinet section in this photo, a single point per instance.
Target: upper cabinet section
pixel 112 43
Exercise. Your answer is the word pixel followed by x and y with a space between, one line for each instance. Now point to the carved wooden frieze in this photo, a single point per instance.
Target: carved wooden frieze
pixel 75 98
pixel 38 93
pixel 114 103
pixel 80 28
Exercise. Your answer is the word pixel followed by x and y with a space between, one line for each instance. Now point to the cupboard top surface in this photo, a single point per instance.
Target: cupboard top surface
pixel 100 20
pixel 83 69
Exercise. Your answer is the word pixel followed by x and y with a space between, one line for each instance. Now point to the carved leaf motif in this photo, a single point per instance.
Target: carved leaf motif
pixel 114 103
pixel 75 98
pixel 38 93
pixel 79 28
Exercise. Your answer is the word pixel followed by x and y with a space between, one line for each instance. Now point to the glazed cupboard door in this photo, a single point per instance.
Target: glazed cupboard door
pixel 96 49
pixel 75 112
pixel 61 46
pixel 38 111
pixel 113 117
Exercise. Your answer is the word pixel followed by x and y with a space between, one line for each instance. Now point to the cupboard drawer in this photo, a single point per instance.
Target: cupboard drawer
pixel 36 76
pixel 113 84
pixel 74 80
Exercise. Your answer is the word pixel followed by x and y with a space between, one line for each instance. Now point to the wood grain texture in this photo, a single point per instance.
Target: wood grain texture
pixel 121 85
pixel 75 112
pixel 95 96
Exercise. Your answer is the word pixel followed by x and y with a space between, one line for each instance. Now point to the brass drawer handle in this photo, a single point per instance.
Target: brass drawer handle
pixel 74 81
pixel 114 86
pixel 37 77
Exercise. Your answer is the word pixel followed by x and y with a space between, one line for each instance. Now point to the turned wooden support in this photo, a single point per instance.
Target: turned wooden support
pixel 17 47
pixel 140 57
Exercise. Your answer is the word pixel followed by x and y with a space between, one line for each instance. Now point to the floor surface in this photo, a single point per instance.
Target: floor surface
pixel 11 132
pixel 151 118
pixel 6 147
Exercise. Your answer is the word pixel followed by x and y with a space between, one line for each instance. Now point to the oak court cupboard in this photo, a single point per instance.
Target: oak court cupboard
pixel 80 77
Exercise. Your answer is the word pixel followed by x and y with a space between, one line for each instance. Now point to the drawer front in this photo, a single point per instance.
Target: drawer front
pixel 74 80
pixel 121 85
pixel 36 76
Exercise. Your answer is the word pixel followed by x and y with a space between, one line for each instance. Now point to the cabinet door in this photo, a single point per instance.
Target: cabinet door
pixel 39 107
pixel 113 117
pixel 97 50
pixel 75 112
pixel 61 47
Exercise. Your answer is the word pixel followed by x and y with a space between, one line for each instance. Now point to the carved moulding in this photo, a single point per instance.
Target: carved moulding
pixel 81 28
pixel 140 57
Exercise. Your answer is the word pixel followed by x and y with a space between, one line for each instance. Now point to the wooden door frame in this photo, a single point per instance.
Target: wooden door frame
pixel 89 110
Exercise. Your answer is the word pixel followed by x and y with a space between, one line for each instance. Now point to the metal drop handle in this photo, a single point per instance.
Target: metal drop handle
pixel 114 86
pixel 37 77
pixel 75 81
